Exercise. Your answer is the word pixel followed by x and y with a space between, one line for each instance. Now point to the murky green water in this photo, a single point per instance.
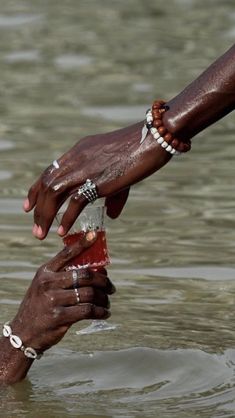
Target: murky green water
pixel 72 68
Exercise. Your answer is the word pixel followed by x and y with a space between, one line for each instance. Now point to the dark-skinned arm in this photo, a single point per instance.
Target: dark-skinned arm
pixel 116 160
pixel 50 307
pixel 206 100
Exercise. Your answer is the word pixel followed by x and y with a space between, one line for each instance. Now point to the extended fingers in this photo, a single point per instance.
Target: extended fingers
pixel 54 187
pixel 49 200
pixel 43 224
pixel 114 203
pixel 76 205
pixel 37 188
pixel 30 201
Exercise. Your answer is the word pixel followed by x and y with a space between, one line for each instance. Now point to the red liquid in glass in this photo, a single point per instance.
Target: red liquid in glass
pixel 94 256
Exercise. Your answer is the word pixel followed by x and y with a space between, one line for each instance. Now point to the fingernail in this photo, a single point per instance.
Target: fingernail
pixel 34 230
pixel 39 232
pixel 60 230
pixel 90 236
pixel 26 204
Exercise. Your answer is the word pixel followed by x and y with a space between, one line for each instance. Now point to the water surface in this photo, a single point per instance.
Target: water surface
pixel 70 69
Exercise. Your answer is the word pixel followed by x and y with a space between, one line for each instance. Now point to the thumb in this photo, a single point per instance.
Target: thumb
pixel 63 257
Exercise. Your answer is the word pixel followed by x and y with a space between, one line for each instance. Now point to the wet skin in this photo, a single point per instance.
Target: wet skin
pixel 116 160
pixel 50 307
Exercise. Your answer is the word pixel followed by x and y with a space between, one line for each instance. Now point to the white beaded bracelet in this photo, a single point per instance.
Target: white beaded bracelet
pixel 16 342
pixel 149 127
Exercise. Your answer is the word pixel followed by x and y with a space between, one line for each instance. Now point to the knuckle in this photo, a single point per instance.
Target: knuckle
pixel 57 314
pixel 51 308
pixel 40 271
pixel 67 252
pixel 75 197
pixel 89 294
pixel 87 310
pixel 46 173
pixel 43 281
pixel 48 184
pixel 45 182
pixel 79 200
pixel 51 299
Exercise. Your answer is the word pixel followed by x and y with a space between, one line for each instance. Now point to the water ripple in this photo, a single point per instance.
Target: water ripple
pixel 70 61
pixel 7 21
pixel 5 144
pixel 139 377
pixel 22 56
pixel 5 175
pixel 201 272
pixel 117 113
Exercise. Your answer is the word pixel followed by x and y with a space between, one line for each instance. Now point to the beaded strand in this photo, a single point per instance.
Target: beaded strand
pixel 155 125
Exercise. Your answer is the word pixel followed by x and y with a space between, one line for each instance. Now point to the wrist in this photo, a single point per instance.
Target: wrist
pixel 177 122
pixel 14 364
pixel 30 344
pixel 24 332
pixel 155 124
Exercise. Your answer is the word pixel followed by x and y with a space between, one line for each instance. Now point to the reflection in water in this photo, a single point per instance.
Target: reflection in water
pixel 69 69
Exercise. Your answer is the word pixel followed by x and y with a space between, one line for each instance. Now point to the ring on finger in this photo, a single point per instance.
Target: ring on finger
pixel 75 278
pixel 56 164
pixel 88 190
pixel 77 295
pixel 79 274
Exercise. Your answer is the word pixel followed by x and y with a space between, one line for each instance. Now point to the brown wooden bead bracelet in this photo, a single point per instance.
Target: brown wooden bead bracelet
pixel 155 125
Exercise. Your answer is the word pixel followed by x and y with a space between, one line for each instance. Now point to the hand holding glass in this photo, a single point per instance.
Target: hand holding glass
pixel 95 257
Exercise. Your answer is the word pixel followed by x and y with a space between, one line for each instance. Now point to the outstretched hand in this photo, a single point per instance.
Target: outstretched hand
pixel 113 161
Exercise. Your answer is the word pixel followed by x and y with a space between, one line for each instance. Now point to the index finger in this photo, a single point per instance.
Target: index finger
pixel 63 257
pixel 31 199
pixel 35 189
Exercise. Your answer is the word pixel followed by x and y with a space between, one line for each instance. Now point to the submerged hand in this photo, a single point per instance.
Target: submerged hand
pixel 50 305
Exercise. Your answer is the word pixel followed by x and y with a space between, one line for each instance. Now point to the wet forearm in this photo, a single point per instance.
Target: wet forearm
pixel 13 363
pixel 206 100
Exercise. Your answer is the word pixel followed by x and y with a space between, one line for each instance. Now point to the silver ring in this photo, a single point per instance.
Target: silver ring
pixel 77 294
pixel 88 190
pixel 56 164
pixel 75 278
pixel 79 274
